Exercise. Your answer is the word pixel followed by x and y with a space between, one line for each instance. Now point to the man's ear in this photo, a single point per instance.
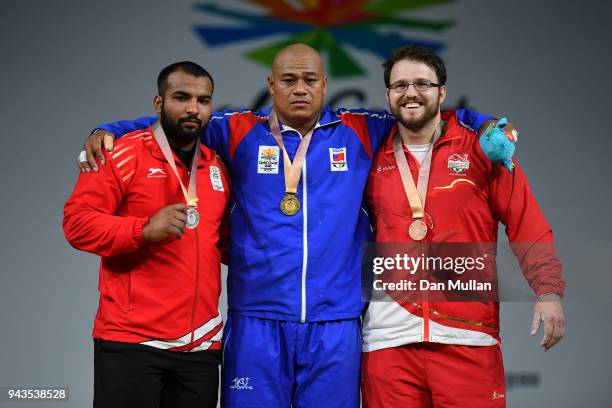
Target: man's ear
pixel 442 94
pixel 157 103
pixel 271 85
pixel 324 84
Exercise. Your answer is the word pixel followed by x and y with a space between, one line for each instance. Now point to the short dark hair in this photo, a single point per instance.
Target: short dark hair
pixel 188 67
pixel 418 54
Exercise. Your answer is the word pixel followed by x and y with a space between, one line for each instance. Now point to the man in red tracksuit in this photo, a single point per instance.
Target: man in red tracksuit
pixel 447 354
pixel 154 214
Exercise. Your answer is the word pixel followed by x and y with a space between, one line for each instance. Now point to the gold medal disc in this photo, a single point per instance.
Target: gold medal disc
pixel 417 230
pixel 290 205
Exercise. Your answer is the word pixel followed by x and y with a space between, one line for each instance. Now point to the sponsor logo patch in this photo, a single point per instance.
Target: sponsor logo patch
pixel 337 159
pixel 458 163
pixel 381 169
pixel 156 173
pixel 497 395
pixel 267 159
pixel 215 179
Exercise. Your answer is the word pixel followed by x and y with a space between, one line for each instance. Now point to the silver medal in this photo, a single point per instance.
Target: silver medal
pixel 193 218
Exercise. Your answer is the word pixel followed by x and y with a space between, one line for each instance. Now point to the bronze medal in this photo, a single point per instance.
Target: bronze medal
pixel 290 205
pixel 417 230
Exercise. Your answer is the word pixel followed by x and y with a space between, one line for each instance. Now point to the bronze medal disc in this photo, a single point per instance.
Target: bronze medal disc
pixel 193 218
pixel 290 205
pixel 417 230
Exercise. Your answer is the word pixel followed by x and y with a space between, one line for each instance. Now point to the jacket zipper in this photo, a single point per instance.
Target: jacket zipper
pixel 197 285
pixel 305 237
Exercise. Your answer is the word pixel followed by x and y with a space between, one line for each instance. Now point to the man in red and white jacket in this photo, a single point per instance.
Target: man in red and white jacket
pixel 447 354
pixel 157 331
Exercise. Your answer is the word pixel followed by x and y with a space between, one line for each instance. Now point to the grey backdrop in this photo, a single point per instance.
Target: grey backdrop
pixel 69 65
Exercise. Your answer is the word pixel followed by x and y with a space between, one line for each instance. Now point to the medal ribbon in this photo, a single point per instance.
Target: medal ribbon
pixel 293 170
pixel 416 194
pixel 191 196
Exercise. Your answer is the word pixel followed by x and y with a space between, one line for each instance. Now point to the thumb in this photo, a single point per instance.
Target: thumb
pixel 535 323
pixel 501 123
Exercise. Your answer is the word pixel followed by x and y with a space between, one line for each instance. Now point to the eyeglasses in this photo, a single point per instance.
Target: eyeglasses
pixel 419 86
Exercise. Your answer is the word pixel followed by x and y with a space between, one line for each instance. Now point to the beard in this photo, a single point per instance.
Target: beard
pixel 416 123
pixel 174 129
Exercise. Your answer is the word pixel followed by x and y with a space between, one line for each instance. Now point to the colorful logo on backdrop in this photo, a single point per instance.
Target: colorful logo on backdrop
pixel 333 27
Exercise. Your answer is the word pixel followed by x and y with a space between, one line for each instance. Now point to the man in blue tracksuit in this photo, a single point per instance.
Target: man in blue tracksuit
pixel 293 333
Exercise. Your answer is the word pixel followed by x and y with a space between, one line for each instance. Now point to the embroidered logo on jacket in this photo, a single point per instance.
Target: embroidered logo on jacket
pixel 381 169
pixel 337 159
pixel 156 173
pixel 242 383
pixel 267 160
pixel 215 179
pixel 458 163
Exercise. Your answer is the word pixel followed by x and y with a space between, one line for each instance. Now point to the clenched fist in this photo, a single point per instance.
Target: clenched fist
pixel 168 221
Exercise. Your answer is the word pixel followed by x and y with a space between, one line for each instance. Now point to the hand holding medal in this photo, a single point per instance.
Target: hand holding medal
pixel 192 216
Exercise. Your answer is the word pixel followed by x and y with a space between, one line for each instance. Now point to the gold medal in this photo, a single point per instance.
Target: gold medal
pixel 290 205
pixel 417 230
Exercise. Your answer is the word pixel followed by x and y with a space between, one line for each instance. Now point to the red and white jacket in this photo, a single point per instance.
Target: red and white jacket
pixel 466 203
pixel 163 294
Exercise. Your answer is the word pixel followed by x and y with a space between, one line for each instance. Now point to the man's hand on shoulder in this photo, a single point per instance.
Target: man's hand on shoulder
pixel 92 149
pixel 168 221
pixel 548 309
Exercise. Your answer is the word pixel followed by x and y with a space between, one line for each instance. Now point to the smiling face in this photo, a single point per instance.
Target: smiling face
pixel 185 107
pixel 414 109
pixel 297 85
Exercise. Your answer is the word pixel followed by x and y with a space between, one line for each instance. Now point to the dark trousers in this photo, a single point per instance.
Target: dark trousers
pixel 134 376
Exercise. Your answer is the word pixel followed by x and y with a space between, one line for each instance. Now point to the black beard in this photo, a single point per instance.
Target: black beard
pixel 174 131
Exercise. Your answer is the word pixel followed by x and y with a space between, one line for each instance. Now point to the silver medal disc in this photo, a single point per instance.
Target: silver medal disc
pixel 193 218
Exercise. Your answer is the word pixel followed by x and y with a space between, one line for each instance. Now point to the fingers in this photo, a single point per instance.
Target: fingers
pixel 92 150
pixel 178 207
pixel 90 162
pixel 548 333
pixel 83 166
pixel 535 323
pixel 178 219
pixel 554 329
pixel 176 227
pixel 558 324
pixel 109 141
pixel 97 151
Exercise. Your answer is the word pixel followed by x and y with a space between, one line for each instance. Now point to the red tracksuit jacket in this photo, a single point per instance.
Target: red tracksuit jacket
pixel 466 205
pixel 161 294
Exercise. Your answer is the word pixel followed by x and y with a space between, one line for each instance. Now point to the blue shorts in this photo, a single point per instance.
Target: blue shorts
pixel 272 363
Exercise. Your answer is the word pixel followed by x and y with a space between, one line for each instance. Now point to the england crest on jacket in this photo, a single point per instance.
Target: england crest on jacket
pixel 458 164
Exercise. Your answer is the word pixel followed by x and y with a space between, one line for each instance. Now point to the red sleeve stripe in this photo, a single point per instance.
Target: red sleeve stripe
pixel 121 151
pixel 240 124
pixel 359 125
pixel 127 159
pixel 136 136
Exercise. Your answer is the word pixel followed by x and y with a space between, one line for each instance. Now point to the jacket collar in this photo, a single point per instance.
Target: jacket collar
pixel 328 117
